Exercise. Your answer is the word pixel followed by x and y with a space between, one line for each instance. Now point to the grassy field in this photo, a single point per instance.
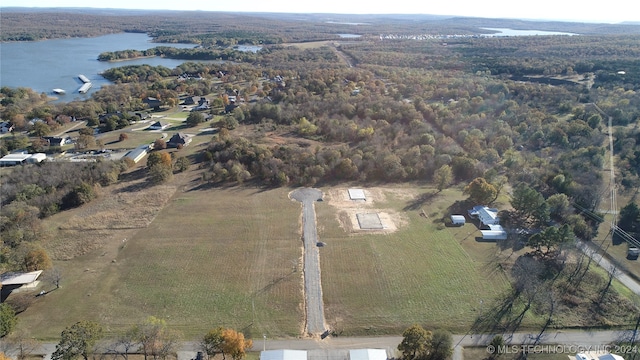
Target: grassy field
pixel 216 258
pixel 203 257
pixel 423 273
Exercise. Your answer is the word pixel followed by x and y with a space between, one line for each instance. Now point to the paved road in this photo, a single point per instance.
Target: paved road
pixel 312 285
pixel 337 348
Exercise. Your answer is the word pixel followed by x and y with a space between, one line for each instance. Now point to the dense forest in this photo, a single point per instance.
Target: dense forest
pixel 516 110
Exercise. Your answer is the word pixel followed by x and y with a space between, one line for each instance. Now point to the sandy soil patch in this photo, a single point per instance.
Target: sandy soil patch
pixel 347 209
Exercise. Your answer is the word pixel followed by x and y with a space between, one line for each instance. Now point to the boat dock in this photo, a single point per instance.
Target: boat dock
pixel 59 91
pixel 85 87
pixel 86 84
pixel 84 79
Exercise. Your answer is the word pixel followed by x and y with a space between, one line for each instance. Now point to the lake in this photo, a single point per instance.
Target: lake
pixel 512 32
pixel 49 64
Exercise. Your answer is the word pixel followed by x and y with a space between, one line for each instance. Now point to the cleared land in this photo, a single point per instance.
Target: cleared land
pixel 417 270
pixel 210 257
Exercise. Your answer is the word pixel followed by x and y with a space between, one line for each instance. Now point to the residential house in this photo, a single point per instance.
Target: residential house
pixel 179 139
pixel 488 219
pixel 486 215
pixel 152 103
pixel 203 104
pixel 57 140
pixel 159 125
pixel 102 118
pixel 5 127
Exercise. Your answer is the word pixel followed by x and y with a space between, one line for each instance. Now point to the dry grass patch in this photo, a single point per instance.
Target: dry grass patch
pixel 219 257
pixel 93 225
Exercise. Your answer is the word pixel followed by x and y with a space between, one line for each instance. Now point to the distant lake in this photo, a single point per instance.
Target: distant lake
pixel 346 23
pixel 512 32
pixel 349 35
pixel 248 48
pixel 45 65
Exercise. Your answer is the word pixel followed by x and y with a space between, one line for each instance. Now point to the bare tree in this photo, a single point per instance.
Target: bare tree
pixel 21 344
pixel 54 276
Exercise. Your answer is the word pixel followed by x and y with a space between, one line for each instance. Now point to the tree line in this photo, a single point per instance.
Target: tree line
pixel 153 338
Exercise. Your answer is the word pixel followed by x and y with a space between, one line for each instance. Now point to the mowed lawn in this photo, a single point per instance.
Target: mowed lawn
pixel 232 257
pixel 210 258
pixel 426 273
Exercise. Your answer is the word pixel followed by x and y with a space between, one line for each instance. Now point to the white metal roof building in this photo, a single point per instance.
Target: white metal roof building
pixel 487 216
pixel 20 158
pixel 26 280
pixel 368 354
pixel 138 153
pixel 357 194
pixel 458 219
pixel 283 355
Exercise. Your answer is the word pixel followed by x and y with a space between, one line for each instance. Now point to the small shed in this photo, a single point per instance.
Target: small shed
pixel 283 355
pixel 368 354
pixel 457 219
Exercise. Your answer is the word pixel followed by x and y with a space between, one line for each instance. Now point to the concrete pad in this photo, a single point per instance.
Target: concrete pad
pixel 369 221
pixel 357 194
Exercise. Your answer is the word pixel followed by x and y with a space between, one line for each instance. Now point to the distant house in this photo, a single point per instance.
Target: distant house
pixel 21 158
pixel 488 219
pixel 486 215
pixel 159 125
pixel 152 102
pixel 140 114
pixel 102 118
pixel 57 140
pixel 203 104
pixel 179 139
pixel 189 100
pixel 5 127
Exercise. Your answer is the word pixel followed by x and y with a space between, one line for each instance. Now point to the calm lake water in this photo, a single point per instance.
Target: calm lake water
pixel 512 32
pixel 46 65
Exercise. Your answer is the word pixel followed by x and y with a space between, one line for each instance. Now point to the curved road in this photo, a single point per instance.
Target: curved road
pixel 312 286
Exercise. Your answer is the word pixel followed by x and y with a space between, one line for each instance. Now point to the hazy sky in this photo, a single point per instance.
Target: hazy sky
pixel 609 11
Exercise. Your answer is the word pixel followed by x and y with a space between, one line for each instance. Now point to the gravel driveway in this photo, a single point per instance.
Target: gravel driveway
pixel 312 285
